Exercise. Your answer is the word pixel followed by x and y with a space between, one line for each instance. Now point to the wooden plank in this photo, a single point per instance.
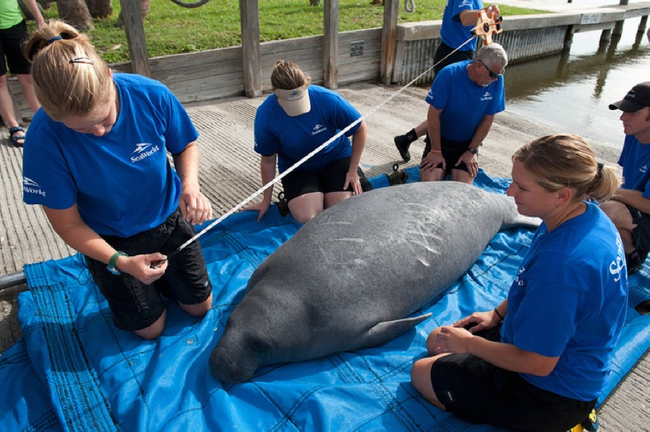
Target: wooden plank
pixel 638 10
pixel 399 62
pixel 184 74
pixel 373 33
pixel 135 36
pixel 331 45
pixel 204 93
pixel 298 56
pixel 388 41
pixel 197 59
pixel 354 68
pixel 367 75
pixel 250 26
pixel 291 44
pixel 201 94
pixel 205 84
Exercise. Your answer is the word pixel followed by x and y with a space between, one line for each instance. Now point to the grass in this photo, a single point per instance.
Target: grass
pixel 171 29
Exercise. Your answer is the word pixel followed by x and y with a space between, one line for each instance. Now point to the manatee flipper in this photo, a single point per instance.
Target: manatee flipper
pixel 384 331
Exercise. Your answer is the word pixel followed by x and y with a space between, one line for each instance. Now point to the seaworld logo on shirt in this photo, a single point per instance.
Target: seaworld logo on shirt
pixel 616 266
pixel 31 187
pixel 318 129
pixel 518 280
pixel 486 96
pixel 144 150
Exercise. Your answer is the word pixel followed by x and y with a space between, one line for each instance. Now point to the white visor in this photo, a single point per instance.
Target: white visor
pixel 294 102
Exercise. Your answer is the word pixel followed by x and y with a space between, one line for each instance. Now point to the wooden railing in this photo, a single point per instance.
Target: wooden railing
pixel 219 73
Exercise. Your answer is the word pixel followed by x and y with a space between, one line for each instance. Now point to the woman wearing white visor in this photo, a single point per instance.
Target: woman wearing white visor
pixel 296 119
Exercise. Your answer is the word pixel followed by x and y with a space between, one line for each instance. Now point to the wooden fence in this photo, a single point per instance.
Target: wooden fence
pixel 214 74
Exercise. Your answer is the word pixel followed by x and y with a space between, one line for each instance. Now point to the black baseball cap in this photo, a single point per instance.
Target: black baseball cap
pixel 635 99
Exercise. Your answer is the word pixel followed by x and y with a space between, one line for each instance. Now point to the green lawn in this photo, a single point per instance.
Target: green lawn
pixel 171 29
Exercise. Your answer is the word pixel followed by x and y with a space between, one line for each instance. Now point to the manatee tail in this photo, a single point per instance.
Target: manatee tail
pixel 522 221
pixel 512 218
pixel 384 331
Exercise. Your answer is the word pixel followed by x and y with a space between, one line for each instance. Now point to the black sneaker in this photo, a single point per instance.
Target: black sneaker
pixel 365 183
pixel 283 204
pixel 635 260
pixel 591 423
pixel 402 142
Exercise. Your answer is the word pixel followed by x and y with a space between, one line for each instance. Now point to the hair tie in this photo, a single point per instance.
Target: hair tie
pixel 54 39
pixel 82 60
pixel 600 167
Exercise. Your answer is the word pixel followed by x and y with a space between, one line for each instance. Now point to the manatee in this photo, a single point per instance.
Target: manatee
pixel 351 277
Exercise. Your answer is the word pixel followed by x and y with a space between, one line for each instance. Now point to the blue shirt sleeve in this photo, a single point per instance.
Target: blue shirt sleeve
pixel 47 179
pixel 438 95
pixel 267 143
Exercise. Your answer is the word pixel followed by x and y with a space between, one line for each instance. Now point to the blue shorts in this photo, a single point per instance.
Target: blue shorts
pixel 136 306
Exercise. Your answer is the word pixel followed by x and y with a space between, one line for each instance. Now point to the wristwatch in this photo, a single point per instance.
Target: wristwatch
pixel 111 262
pixel 472 150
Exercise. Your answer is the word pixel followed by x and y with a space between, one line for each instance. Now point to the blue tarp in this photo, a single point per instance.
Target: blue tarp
pixel 73 370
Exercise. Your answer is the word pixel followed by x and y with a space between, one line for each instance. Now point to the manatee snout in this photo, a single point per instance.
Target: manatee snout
pixel 228 366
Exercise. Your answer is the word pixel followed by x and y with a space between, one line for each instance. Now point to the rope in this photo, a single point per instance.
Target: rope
pixel 409 6
pixel 312 153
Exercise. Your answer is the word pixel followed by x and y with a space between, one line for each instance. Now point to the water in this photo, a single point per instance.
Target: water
pixel 571 93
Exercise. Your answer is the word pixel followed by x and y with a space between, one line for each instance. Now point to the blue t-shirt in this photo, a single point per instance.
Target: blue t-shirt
pixel 635 160
pixel 122 182
pixel 569 300
pixel 452 32
pixel 292 138
pixel 463 102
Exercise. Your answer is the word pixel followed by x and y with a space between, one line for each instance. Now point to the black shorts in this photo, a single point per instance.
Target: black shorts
pixel 136 306
pixel 445 50
pixel 451 151
pixel 480 392
pixel 11 40
pixel 330 179
pixel 640 234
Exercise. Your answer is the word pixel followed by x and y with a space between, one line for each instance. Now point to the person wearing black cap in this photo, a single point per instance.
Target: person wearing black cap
pixel 629 208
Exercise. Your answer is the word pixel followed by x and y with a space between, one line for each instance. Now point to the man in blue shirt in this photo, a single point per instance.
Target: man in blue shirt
pixel 456 44
pixel 463 99
pixel 629 209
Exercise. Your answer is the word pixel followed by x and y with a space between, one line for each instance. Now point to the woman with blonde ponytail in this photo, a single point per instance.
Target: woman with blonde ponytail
pixel 96 161
pixel 540 359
